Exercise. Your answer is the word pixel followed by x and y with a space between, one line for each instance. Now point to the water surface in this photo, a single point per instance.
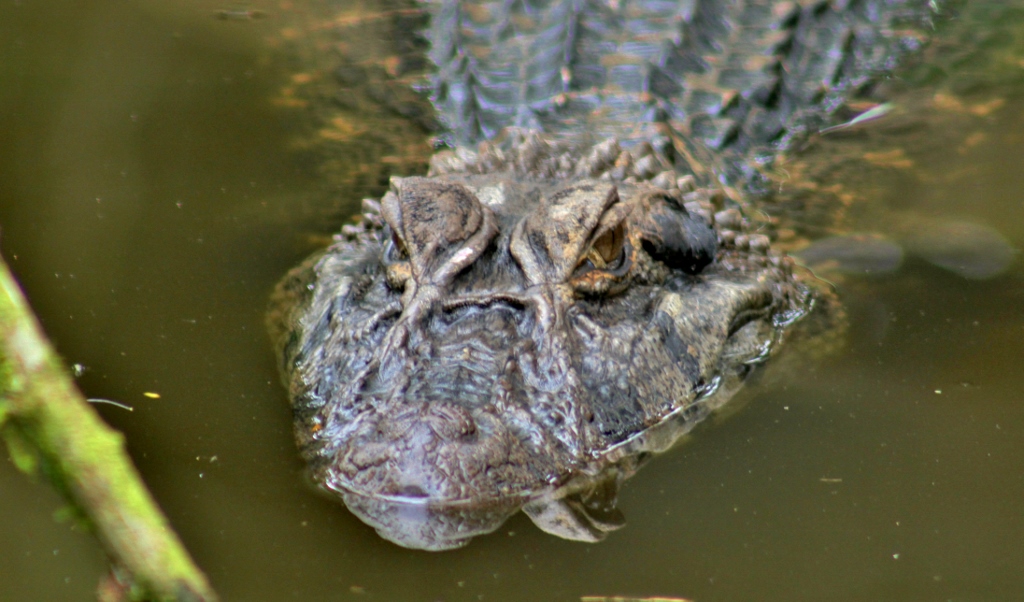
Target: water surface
pixel 151 194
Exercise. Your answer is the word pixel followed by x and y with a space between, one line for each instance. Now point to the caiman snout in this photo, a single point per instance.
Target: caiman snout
pixel 442 452
pixel 433 475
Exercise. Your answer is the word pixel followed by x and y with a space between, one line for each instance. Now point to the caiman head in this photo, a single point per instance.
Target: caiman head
pixel 492 334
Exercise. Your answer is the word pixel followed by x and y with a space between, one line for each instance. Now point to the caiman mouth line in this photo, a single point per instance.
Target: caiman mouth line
pixel 430 502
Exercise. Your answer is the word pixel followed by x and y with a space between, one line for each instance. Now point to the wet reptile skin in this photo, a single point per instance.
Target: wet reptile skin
pixel 716 85
pixel 522 326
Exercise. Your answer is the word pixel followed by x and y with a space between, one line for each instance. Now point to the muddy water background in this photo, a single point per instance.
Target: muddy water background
pixel 149 199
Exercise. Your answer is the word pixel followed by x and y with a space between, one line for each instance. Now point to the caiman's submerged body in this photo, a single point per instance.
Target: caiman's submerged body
pixel 518 328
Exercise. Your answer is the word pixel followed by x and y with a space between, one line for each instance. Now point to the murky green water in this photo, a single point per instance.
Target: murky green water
pixel 149 201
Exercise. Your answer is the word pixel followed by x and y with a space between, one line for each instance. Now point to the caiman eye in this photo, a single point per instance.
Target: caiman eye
pixel 579 235
pixel 607 252
pixel 398 270
pixel 396 251
pixel 584 266
pixel 610 245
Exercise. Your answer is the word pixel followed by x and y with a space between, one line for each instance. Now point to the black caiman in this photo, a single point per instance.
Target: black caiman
pixel 581 276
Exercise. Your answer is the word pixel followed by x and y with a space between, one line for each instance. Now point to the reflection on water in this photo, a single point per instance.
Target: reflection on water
pixel 145 186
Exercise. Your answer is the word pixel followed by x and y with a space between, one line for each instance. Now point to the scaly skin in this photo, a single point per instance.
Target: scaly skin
pixel 519 328
pixel 718 86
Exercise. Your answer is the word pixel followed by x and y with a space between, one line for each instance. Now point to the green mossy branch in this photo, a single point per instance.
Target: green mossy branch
pixel 49 428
